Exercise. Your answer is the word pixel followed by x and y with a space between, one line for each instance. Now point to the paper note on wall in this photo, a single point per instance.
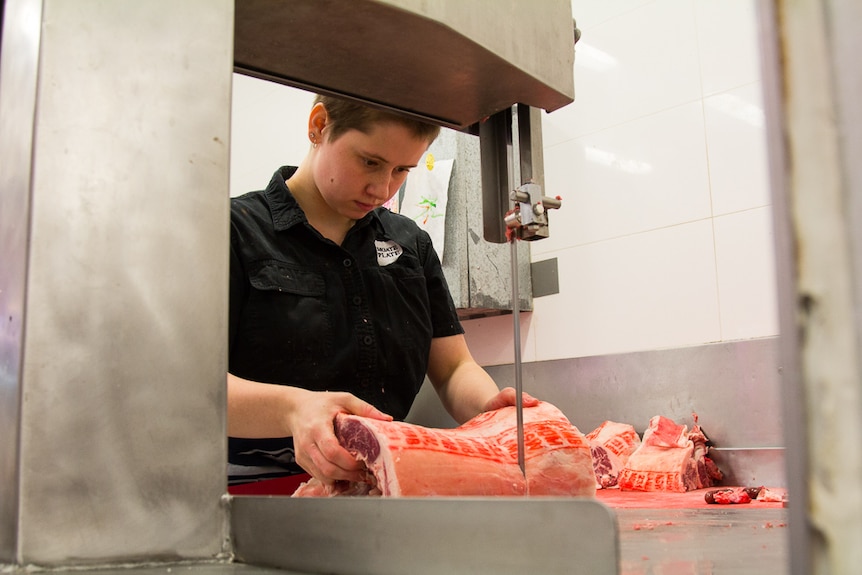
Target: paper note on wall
pixel 426 194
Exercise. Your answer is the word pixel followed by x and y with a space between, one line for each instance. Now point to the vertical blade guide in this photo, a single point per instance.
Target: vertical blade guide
pixel 512 214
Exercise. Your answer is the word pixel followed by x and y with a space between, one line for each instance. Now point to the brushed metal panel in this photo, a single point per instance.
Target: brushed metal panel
pixel 733 388
pixel 752 466
pixel 122 417
pixel 18 71
pixel 450 61
pixel 186 568
pixel 546 277
pixel 376 536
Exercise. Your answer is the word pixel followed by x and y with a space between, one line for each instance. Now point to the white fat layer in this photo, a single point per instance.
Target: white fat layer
pixel 383 468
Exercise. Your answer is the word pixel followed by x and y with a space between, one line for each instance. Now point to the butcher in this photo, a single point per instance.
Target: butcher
pixel 337 305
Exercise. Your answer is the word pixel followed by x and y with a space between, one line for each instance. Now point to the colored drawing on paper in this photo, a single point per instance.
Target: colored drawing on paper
pixel 426 195
pixel 428 209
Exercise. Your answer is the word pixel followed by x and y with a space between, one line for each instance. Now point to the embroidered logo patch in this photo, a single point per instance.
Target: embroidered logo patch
pixel 387 252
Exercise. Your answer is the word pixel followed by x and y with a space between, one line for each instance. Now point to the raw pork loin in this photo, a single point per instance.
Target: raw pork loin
pixel 477 458
pixel 611 445
pixel 670 458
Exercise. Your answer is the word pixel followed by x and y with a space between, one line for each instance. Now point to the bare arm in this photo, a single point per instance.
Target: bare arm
pixel 465 389
pixel 260 410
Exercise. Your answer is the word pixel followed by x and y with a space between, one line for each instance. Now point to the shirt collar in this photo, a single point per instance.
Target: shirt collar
pixel 287 213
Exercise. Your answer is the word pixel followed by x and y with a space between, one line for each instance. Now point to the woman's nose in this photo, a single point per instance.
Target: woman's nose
pixel 382 186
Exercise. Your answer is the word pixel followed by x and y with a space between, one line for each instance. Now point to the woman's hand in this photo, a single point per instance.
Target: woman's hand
pixel 507 398
pixel 317 448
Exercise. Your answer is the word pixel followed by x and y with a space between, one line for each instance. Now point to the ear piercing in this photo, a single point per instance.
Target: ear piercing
pixel 313 139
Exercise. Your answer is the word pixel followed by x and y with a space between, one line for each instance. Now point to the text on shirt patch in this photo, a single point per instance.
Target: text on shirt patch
pixel 387 252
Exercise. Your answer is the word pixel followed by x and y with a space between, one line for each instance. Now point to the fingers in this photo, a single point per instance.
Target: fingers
pixel 317 448
pixel 507 398
pixel 325 460
pixel 528 400
pixel 330 464
pixel 356 406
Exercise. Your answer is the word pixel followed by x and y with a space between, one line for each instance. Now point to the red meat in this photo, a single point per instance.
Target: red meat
pixel 477 458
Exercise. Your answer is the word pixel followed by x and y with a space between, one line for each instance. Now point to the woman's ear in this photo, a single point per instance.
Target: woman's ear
pixel 317 120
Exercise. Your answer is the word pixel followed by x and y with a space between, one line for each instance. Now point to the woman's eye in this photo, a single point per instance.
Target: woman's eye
pixel 370 163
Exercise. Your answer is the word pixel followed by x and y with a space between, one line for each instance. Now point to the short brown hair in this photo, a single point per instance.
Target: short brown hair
pixel 345 115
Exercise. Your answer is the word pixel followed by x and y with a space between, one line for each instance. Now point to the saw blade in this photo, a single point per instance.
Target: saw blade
pixel 516 314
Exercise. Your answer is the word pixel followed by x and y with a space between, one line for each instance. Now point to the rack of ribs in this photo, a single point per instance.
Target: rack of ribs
pixel 611 445
pixel 670 458
pixel 478 458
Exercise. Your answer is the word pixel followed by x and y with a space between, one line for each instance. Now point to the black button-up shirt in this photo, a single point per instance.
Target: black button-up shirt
pixel 307 312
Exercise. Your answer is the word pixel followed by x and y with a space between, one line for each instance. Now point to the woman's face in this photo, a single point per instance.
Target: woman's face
pixel 359 172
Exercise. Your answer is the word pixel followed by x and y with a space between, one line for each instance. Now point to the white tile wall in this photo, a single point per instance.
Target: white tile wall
pixel 635 64
pixel 499 349
pixel 642 175
pixel 746 274
pixel 589 14
pixel 727 43
pixel 267 129
pixel 735 135
pixel 644 291
pixel 665 237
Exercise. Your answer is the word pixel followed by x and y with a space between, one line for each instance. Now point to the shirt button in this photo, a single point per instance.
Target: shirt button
pixel 367 340
pixel 348 263
pixel 356 300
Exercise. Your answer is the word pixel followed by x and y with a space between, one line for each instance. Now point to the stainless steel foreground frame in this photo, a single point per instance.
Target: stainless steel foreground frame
pixel 813 85
pixel 427 536
pixel 113 286
pixel 18 73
